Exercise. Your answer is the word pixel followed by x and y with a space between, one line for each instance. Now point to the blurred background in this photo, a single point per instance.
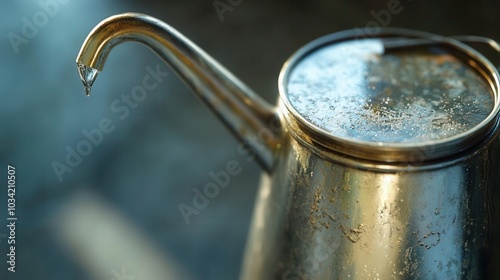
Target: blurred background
pixel 114 214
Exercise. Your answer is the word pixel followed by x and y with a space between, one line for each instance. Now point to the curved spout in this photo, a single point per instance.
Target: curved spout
pixel 247 115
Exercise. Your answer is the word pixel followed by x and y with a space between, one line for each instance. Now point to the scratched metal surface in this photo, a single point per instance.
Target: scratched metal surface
pixel 356 91
pixel 419 219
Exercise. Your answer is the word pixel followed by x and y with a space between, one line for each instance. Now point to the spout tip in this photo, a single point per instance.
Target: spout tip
pixel 87 91
pixel 88 76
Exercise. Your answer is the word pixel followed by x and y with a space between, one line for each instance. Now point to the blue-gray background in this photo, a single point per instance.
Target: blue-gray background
pixel 116 214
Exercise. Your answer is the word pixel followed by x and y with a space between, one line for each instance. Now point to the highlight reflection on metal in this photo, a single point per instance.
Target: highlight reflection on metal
pixel 335 207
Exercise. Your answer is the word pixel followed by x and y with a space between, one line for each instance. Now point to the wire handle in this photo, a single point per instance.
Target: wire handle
pixel 401 42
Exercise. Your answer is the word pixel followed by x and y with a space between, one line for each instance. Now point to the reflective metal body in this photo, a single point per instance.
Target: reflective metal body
pixel 337 208
pixel 322 215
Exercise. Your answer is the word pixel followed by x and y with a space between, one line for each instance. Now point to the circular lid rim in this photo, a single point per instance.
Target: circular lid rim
pixel 400 151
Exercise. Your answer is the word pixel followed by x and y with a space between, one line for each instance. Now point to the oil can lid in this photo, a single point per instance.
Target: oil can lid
pixel 359 92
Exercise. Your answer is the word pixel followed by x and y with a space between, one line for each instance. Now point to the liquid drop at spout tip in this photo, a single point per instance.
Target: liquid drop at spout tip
pixel 88 90
pixel 88 76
